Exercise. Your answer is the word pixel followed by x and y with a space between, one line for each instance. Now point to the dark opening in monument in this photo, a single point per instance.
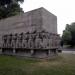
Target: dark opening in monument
pixel 7 51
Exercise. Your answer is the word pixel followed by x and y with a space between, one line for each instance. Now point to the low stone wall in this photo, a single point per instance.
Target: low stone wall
pixel 0 51
pixel 30 52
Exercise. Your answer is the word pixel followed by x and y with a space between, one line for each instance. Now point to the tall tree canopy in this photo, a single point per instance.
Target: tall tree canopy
pixel 68 36
pixel 7 2
pixel 10 8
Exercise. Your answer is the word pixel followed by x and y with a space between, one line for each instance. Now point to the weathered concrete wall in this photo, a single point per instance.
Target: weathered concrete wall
pixel 49 21
pixel 30 21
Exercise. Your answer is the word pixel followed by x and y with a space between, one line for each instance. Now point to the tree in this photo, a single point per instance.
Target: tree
pixel 10 8
pixel 67 27
pixel 68 36
pixel 7 2
pixel 72 30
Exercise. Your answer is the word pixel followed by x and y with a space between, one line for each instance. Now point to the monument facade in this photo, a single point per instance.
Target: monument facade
pixel 32 34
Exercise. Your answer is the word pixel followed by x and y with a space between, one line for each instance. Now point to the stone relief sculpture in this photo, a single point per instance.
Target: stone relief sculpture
pixel 30 40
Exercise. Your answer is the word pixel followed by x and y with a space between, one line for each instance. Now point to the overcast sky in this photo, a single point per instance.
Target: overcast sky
pixel 63 9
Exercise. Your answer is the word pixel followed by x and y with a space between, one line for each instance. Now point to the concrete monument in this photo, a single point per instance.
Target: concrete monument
pixel 32 34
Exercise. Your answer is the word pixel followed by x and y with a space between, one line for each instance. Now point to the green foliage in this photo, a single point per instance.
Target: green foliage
pixel 7 2
pixel 72 30
pixel 10 8
pixel 68 36
pixel 67 27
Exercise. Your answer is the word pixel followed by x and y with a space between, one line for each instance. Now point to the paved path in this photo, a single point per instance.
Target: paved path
pixel 68 50
pixel 71 52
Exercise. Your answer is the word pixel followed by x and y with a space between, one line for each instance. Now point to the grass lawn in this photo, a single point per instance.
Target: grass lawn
pixel 64 64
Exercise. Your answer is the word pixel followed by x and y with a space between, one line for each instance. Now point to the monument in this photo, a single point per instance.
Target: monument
pixel 32 34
